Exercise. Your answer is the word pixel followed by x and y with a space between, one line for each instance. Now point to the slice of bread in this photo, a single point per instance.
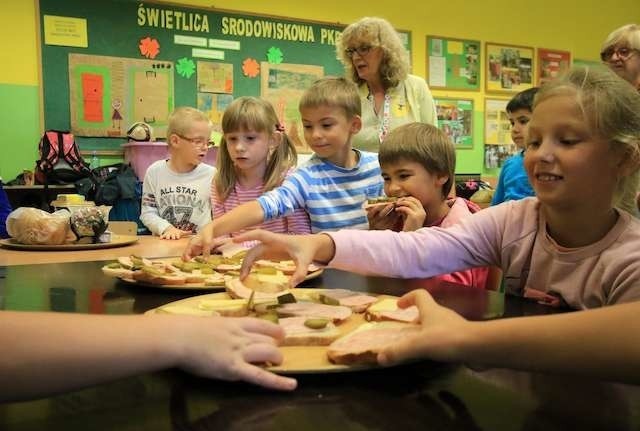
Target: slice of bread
pixel 185 310
pixel 298 334
pixel 225 307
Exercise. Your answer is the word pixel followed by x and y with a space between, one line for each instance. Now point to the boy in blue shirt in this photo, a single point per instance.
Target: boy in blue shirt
pixel 332 186
pixel 513 183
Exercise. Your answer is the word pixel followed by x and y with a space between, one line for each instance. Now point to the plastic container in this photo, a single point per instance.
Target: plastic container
pixel 142 154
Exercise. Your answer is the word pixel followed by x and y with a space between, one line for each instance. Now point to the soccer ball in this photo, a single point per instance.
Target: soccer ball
pixel 141 132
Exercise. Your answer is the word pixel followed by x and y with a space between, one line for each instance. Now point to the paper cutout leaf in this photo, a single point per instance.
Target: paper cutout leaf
pixel 186 67
pixel 149 47
pixel 274 55
pixel 250 67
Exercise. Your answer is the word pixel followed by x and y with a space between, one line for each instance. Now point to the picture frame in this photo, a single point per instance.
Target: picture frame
pixel 508 68
pixel 498 145
pixel 455 119
pixel 551 63
pixel 453 64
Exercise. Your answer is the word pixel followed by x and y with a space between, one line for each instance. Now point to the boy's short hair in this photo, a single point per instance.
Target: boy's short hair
pixel 424 144
pixel 182 118
pixel 522 100
pixel 335 92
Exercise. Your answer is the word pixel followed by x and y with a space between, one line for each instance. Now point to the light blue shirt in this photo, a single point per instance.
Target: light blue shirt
pixel 513 183
pixel 332 196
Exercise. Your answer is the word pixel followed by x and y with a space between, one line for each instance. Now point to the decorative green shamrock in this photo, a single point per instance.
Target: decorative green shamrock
pixel 274 55
pixel 186 67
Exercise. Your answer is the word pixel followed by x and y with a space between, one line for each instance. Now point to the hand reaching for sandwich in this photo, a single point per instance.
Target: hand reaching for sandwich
pixel 441 333
pixel 302 249
pixel 227 348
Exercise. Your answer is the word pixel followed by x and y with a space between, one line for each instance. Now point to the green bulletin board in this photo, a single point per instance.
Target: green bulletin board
pixel 453 64
pixel 175 43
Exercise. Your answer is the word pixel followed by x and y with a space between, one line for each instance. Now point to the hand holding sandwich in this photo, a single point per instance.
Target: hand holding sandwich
pixel 302 249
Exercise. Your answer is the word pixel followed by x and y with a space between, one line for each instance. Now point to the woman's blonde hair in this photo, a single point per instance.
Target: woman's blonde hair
pixel 627 34
pixel 373 31
pixel 253 114
pixel 424 144
pixel 611 107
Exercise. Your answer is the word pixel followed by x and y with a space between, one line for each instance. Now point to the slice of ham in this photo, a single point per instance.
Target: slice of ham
pixel 357 301
pixel 363 346
pixel 296 333
pixel 337 313
pixel 408 315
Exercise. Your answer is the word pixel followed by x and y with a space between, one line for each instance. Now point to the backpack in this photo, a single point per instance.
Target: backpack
pixel 60 161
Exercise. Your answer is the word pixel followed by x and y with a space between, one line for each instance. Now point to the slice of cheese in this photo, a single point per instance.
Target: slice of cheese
pixel 386 304
pixel 222 304
pixel 186 311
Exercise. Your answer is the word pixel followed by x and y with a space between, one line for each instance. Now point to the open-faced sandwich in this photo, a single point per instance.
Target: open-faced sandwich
pixel 379 201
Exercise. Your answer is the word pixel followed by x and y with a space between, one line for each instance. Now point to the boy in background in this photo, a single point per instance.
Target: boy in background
pixel 332 186
pixel 418 163
pixel 513 183
pixel 176 193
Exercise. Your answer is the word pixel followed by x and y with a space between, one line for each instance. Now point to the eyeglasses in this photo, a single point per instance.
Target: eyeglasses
pixel 361 50
pixel 198 142
pixel 622 52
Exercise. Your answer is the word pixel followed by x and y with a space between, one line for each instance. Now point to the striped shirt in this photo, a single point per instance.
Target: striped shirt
pixel 296 223
pixel 333 196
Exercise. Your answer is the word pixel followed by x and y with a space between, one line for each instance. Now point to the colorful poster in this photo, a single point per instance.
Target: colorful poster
pixel 552 63
pixel 509 69
pixel 453 64
pixel 283 85
pixel 498 145
pixel 214 105
pixel 108 94
pixel 215 77
pixel 455 118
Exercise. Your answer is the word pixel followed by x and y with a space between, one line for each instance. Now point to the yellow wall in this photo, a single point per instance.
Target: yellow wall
pixel 577 26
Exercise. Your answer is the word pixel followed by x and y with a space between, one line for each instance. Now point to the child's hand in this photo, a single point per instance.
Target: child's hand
pixel 303 249
pixel 227 348
pixel 174 233
pixel 413 212
pixel 382 217
pixel 442 330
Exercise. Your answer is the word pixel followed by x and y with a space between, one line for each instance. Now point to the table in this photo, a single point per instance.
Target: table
pixel 422 396
pixel 147 246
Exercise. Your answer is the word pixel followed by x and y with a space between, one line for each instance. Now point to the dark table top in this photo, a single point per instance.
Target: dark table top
pixel 425 395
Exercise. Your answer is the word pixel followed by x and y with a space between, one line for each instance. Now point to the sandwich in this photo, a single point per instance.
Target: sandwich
pixel 363 345
pixel 387 309
pixel 380 200
pixel 358 302
pixel 305 331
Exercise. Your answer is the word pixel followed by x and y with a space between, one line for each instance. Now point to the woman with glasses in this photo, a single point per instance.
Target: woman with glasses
pixel 621 52
pixel 376 60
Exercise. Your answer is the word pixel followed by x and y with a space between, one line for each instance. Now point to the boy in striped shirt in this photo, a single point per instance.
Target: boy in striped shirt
pixel 332 186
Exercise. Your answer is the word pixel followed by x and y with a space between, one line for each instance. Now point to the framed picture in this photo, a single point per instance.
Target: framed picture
pixel 453 64
pixel 498 145
pixel 509 68
pixel 552 63
pixel 455 118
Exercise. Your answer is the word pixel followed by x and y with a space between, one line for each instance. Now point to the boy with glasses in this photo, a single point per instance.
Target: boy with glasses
pixel 176 194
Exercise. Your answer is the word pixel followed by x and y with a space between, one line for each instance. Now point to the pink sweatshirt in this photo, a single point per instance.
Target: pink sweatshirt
pixel 512 236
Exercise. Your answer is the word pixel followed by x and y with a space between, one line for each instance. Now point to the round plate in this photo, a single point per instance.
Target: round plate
pixel 299 359
pixel 195 286
pixel 116 241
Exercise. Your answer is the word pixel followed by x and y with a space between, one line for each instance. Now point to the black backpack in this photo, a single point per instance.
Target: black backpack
pixel 60 161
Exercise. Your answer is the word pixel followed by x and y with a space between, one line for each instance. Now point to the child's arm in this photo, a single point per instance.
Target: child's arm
pixel 601 343
pixel 241 217
pixel 37 360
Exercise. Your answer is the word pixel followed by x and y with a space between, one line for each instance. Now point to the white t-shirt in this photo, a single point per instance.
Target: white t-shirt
pixel 170 198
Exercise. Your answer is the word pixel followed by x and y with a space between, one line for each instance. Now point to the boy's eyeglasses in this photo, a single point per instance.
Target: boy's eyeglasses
pixel 198 142
pixel 361 50
pixel 622 52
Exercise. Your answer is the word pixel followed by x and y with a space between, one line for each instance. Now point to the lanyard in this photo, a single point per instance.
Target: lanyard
pixel 386 118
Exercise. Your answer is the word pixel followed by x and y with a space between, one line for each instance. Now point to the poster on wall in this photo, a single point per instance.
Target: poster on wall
pixel 108 94
pixel 552 63
pixel 282 85
pixel 498 145
pixel 508 68
pixel 455 118
pixel 453 64
pixel 215 77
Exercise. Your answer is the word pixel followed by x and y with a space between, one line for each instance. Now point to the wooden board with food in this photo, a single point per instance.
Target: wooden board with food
pixel 200 273
pixel 114 241
pixel 326 330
